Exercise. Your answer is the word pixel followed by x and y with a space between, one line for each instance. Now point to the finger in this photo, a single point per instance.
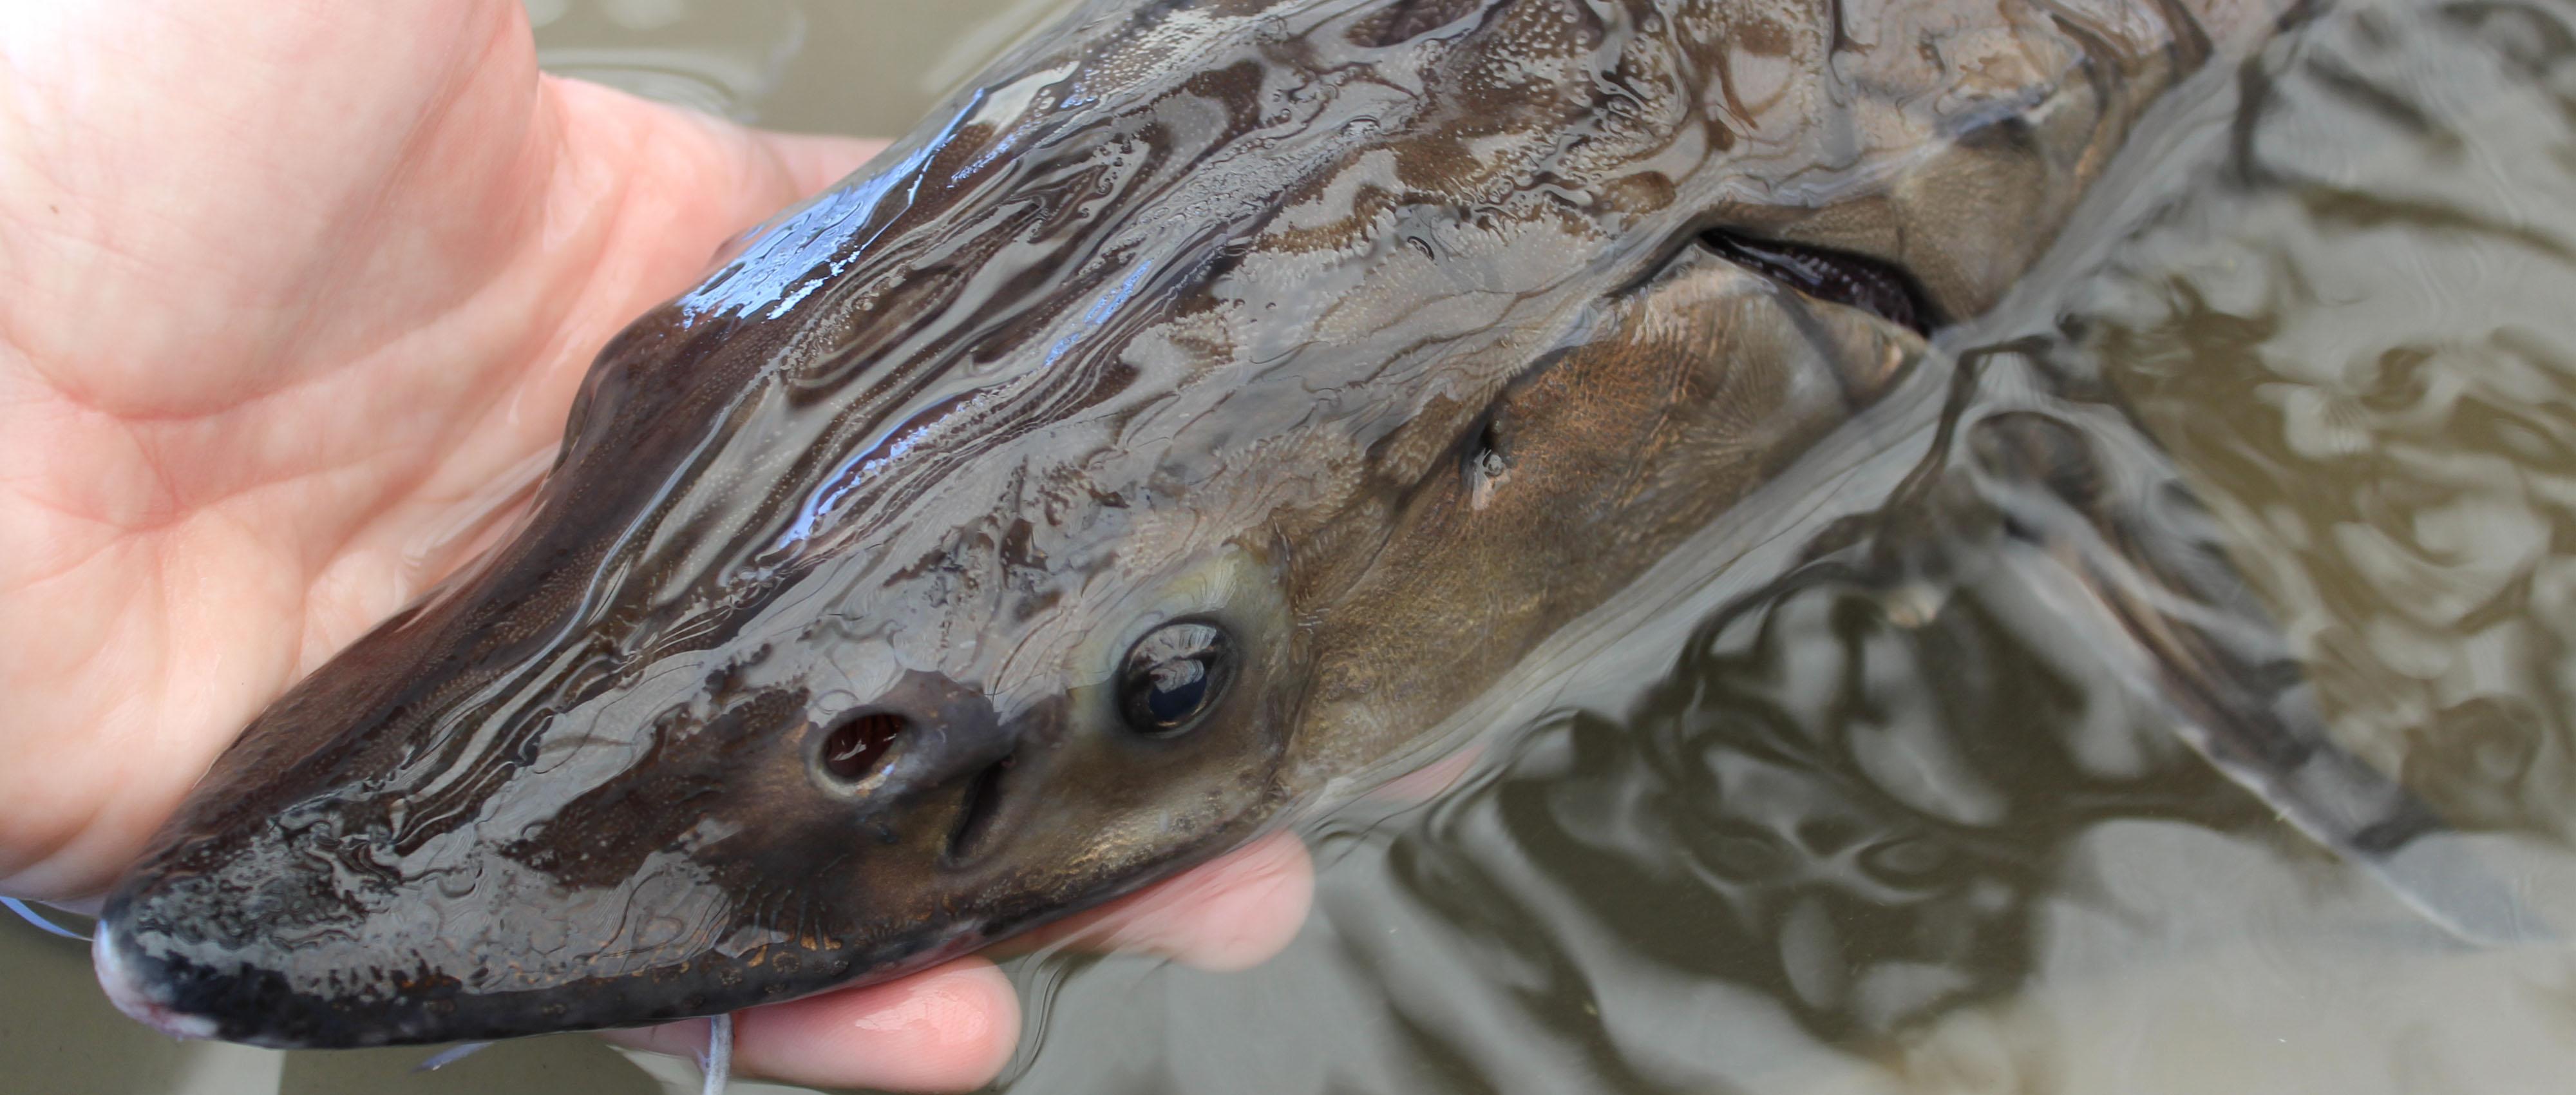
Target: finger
pixel 950 1028
pixel 1231 913
pixel 681 161
pixel 810 163
pixel 953 1027
pixel 1431 779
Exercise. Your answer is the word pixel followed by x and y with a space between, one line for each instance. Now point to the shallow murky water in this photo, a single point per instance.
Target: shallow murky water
pixel 1846 847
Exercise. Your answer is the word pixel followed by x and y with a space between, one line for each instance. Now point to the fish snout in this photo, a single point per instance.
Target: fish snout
pixel 756 850
pixel 203 991
pixel 182 997
pixel 138 988
pixel 436 957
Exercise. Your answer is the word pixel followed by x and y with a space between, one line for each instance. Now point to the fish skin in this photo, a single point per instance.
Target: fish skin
pixel 1378 334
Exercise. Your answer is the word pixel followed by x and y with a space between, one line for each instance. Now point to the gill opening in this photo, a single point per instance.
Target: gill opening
pixel 1876 286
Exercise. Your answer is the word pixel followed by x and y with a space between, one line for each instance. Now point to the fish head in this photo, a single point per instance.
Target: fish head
pixel 685 746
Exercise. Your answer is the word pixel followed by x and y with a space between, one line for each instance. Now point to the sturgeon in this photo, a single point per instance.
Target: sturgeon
pixel 1172 436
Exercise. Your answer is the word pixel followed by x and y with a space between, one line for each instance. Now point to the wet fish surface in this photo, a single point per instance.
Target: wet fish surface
pixel 1206 416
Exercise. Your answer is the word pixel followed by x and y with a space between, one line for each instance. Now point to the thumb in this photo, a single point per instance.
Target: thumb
pixel 679 167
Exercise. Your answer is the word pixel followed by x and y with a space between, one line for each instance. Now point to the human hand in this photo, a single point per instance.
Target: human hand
pixel 293 303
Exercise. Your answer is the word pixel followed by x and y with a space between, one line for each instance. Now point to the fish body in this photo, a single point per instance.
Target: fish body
pixel 1187 426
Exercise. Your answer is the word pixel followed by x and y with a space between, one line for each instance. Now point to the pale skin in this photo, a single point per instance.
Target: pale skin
pixel 292 296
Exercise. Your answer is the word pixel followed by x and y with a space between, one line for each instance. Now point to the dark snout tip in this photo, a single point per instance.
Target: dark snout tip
pixel 166 988
pixel 146 1000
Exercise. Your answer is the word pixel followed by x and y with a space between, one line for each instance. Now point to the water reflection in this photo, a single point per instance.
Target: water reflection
pixel 2359 340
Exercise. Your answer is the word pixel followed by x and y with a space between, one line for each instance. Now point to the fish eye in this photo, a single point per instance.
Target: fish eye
pixel 1174 675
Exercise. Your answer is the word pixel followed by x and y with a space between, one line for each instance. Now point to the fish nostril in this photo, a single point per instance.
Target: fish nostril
pixel 857 744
